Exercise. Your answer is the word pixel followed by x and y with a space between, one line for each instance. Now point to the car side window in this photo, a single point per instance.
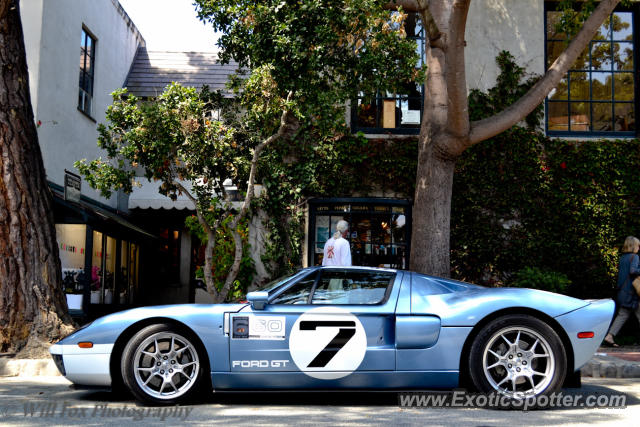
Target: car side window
pixel 298 293
pixel 352 287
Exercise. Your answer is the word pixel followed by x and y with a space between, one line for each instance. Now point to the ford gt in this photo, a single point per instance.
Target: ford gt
pixel 349 328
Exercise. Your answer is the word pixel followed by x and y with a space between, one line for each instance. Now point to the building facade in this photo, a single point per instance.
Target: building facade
pixel 597 98
pixel 77 54
pixel 118 261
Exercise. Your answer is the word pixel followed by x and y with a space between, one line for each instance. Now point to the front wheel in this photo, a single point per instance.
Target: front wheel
pixel 518 356
pixel 162 365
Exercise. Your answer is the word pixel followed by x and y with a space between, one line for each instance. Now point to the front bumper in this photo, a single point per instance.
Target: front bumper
pixel 83 366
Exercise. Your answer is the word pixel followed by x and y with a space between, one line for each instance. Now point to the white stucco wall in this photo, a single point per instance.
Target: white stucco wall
pixel 31 14
pixel 52 38
pixel 495 25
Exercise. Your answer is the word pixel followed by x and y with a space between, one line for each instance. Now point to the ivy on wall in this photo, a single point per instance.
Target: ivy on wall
pixel 523 200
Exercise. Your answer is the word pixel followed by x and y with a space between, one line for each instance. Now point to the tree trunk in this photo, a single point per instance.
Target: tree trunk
pixel 432 213
pixel 445 130
pixel 432 201
pixel 33 310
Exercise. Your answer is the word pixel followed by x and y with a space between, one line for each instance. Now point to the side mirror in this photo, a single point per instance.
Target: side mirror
pixel 258 299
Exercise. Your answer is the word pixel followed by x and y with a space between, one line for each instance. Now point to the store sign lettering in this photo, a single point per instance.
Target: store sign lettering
pixel 71 186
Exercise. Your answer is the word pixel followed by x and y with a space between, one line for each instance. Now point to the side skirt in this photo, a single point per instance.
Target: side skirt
pixel 374 380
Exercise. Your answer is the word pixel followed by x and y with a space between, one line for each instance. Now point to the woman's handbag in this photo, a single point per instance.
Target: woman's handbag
pixel 636 285
pixel 636 282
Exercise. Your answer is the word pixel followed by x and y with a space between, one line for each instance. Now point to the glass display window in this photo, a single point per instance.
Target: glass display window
pixel 71 240
pixel 97 267
pixel 378 233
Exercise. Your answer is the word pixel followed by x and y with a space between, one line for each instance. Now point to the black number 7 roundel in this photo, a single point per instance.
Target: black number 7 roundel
pixel 327 343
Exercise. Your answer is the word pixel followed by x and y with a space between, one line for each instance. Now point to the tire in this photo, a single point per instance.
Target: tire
pixel 163 364
pixel 518 356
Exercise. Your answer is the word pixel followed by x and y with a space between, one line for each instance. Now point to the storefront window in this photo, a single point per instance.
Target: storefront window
pixel 110 270
pixel 123 274
pixel 169 255
pixel 103 269
pixel 96 269
pixel 71 244
pixel 377 232
pixel 134 265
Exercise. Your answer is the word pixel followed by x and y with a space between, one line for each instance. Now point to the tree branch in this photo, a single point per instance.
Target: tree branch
pixel 286 122
pixel 235 268
pixel 208 252
pixel 486 128
pixel 422 7
pixel 458 116
pixel 433 32
pixel 407 5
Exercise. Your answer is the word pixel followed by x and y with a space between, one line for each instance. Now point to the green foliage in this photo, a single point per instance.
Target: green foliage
pixel 172 138
pixel 223 255
pixel 512 83
pixel 337 166
pixel 318 54
pixel 522 200
pixel 535 278
pixel 574 13
pixel 318 48
pixel 174 141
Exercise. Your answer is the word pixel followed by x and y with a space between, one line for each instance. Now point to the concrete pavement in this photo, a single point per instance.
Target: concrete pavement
pixel 27 401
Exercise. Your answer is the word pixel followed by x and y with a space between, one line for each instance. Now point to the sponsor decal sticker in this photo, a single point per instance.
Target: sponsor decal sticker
pixel 258 327
pixel 327 343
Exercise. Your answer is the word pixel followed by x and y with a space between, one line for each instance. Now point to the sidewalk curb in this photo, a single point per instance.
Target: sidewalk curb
pixel 28 367
pixel 605 365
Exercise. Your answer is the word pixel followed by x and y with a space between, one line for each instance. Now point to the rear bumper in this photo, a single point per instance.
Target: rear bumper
pixel 594 317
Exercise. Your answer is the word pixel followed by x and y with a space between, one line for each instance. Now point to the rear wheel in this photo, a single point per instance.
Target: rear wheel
pixel 161 364
pixel 518 356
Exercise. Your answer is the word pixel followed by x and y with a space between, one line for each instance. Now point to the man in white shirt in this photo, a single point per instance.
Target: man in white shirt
pixel 337 250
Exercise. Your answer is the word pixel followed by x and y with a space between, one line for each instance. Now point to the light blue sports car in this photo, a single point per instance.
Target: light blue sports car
pixel 330 328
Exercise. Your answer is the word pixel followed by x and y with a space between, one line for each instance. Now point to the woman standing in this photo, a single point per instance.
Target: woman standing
pixel 627 298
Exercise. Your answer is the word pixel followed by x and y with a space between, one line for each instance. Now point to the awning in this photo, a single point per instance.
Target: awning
pixel 147 196
pixel 86 212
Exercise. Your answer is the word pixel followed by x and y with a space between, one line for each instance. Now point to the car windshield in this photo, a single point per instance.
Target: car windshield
pixel 274 284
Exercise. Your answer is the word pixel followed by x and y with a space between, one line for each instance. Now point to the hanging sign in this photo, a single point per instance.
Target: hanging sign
pixel 71 186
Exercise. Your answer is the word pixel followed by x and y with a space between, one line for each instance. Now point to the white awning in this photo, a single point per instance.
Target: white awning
pixel 148 197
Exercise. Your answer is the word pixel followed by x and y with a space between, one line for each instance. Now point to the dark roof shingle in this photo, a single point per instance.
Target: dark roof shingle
pixel 152 71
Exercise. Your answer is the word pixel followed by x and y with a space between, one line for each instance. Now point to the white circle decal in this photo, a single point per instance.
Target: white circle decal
pixel 327 343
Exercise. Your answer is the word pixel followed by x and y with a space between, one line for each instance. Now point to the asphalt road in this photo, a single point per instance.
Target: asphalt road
pixel 28 401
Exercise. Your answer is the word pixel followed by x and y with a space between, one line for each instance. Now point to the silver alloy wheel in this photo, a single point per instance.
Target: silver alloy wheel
pixel 518 362
pixel 166 365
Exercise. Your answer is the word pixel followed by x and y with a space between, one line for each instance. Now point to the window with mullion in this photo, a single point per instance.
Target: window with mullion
pixel 393 112
pixel 87 58
pixel 597 96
